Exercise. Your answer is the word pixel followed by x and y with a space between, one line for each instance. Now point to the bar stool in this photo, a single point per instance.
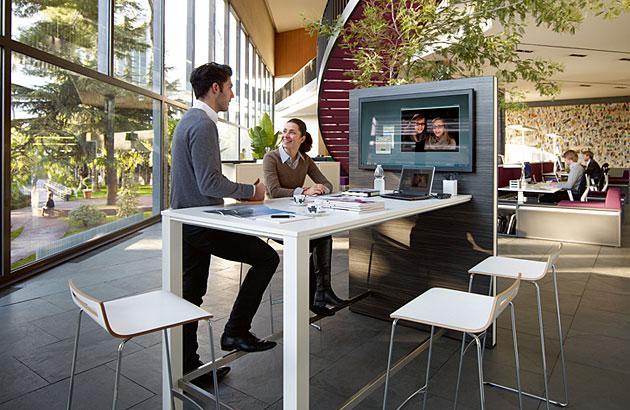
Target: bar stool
pixel 532 272
pixel 132 316
pixel 465 312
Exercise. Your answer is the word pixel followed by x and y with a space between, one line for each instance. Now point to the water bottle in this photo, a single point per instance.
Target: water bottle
pixel 379 179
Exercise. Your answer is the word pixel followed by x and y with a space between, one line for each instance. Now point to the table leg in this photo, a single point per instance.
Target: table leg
pixel 295 323
pixel 172 282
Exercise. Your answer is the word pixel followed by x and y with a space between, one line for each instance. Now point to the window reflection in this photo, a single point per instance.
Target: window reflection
pixel 81 159
pixel 134 38
pixel 68 29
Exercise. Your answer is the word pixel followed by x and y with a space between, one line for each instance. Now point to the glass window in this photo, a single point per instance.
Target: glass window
pixel 219 31
pixel 201 44
pixel 68 29
pixel 228 141
pixel 178 50
pixel 244 78
pixel 252 85
pixel 257 91
pixel 134 39
pixel 81 159
pixel 233 45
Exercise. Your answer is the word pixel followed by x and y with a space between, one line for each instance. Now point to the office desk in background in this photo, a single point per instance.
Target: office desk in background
pixel 539 188
pixel 296 237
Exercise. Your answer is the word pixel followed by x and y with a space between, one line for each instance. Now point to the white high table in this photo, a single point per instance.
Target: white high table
pixel 296 237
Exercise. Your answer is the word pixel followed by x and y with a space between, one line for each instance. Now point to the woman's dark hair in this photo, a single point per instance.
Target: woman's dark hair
pixel 308 140
pixel 207 74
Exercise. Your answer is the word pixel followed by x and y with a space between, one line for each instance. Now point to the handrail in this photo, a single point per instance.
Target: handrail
pixel 304 76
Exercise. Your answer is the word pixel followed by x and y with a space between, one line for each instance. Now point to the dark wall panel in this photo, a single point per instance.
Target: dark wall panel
pixel 411 255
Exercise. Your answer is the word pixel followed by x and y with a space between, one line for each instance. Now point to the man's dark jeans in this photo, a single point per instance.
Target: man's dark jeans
pixel 198 246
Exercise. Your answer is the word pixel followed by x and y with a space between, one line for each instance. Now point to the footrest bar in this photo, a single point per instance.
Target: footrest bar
pixel 421 390
pixel 533 396
pixel 369 388
pixel 200 394
pixel 235 354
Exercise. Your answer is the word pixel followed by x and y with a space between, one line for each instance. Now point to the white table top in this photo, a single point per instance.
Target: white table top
pixel 332 221
pixel 503 267
pixel 540 188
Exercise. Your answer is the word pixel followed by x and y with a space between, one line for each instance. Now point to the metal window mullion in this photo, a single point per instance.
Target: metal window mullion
pixel 5 251
pixel 211 31
pixel 110 51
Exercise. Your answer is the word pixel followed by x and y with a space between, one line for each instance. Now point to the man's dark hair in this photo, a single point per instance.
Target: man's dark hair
pixel 207 74
pixel 589 153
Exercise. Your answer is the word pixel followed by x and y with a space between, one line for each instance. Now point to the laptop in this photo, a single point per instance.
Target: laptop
pixel 415 184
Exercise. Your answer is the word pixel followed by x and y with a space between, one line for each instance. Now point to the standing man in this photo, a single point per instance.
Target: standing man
pixel 197 180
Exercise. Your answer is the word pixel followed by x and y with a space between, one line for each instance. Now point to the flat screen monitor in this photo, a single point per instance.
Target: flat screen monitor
pixel 423 129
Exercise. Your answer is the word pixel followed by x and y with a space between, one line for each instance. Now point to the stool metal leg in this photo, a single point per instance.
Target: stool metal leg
pixel 389 362
pixel 564 365
pixel 480 369
pixel 168 366
pixel 542 342
pixel 516 358
pixel 426 381
pixel 424 389
pixel 214 372
pixel 459 371
pixel 461 353
pixel 74 359
pixel 121 346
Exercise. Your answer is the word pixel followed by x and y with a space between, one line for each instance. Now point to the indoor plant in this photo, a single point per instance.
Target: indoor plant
pixel 263 138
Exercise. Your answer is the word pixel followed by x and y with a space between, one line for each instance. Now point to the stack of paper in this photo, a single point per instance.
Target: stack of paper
pixel 352 203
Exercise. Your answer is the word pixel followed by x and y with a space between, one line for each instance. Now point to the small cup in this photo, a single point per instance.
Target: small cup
pixel 313 209
pixel 299 199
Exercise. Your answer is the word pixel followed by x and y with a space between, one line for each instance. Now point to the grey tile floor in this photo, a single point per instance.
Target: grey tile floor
pixel 38 322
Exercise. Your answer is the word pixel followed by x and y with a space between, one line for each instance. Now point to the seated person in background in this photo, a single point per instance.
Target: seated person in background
pixel 440 140
pixel 593 169
pixel 50 204
pixel 574 183
pixel 285 170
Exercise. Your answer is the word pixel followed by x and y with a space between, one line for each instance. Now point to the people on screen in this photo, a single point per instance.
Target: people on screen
pixel 197 180
pixel 285 170
pixel 416 141
pixel 440 140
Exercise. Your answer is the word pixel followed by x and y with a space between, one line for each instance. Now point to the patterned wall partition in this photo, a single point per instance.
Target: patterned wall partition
pixel 602 128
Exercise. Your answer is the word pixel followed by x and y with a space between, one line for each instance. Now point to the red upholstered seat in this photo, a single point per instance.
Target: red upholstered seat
pixel 620 180
pixel 613 201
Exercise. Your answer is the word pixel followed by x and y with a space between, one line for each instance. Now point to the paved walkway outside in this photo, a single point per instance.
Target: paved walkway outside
pixel 40 230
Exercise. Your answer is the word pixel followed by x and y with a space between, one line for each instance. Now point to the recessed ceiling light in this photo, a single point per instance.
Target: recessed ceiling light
pixel 519 50
pixel 620 86
pixel 585 85
pixel 577 55
pixel 624 59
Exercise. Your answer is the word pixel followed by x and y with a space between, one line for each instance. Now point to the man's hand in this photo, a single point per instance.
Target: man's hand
pixel 316 189
pixel 259 194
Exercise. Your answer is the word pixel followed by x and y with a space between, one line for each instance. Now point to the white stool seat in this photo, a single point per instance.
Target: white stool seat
pixel 451 309
pixel 149 312
pixel 503 267
pixel 137 315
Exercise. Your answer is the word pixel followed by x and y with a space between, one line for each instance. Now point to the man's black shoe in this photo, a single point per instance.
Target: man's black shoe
pixel 321 310
pixel 247 343
pixel 206 380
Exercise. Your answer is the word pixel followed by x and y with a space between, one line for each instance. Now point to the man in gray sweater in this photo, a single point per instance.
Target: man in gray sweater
pixel 197 180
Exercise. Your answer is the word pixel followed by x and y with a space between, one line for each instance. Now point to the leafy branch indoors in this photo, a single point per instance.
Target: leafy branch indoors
pixel 408 41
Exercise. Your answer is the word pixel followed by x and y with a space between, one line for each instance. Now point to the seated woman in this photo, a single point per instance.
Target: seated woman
pixel 285 170
pixel 440 140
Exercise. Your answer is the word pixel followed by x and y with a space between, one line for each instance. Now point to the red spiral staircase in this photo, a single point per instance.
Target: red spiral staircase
pixel 334 85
